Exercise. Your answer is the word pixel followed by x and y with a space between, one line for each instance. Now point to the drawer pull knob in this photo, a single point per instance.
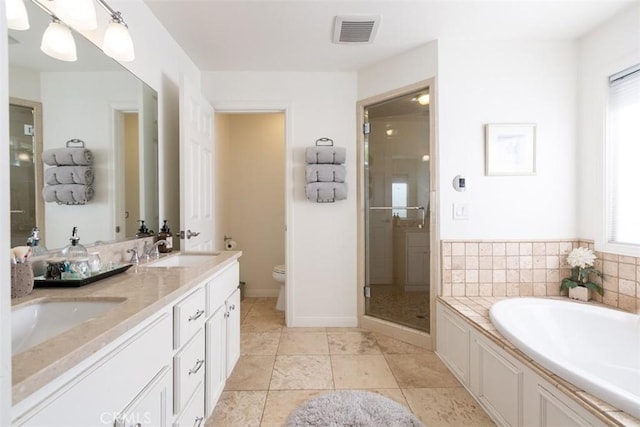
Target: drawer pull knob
pixel 197 367
pixel 196 316
pixel 226 314
pixel 233 307
pixel 198 422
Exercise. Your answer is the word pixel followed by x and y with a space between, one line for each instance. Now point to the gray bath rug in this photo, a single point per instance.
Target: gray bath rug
pixel 353 408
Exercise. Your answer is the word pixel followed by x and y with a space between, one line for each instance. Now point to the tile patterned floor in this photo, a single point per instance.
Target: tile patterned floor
pixel 280 368
pixel 405 308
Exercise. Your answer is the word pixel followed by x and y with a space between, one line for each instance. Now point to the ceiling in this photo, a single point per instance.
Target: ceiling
pixel 295 35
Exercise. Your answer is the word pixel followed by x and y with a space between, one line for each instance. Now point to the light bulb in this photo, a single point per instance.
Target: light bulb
pixel 423 99
pixel 58 43
pixel 117 42
pixel 17 18
pixel 79 14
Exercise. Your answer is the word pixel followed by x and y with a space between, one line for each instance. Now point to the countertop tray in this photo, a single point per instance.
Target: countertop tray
pixel 41 282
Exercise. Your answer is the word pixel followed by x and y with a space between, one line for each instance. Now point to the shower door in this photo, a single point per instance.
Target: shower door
pixel 27 210
pixel 397 188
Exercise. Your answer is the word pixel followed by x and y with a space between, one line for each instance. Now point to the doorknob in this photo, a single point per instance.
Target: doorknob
pixel 191 234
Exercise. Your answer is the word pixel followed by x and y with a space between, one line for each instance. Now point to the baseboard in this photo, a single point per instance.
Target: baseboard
pixel 261 293
pixel 322 322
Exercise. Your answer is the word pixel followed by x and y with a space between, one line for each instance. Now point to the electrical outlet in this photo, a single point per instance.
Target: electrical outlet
pixel 460 211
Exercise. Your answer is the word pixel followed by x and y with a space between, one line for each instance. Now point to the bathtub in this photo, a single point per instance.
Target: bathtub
pixel 595 348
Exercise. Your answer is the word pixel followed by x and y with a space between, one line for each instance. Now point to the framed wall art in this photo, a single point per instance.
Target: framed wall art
pixel 510 149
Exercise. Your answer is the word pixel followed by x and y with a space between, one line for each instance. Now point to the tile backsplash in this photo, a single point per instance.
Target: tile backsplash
pixel 532 268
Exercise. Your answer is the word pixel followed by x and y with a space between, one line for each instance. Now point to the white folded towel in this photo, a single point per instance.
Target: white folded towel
pixel 326 191
pixel 68 193
pixel 67 157
pixel 326 154
pixel 325 173
pixel 69 175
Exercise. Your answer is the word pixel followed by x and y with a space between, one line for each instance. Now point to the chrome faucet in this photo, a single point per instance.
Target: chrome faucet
pixel 135 259
pixel 152 250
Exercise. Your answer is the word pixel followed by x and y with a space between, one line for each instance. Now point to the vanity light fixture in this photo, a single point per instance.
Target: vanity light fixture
pixel 17 18
pixel 117 41
pixel 80 14
pixel 58 42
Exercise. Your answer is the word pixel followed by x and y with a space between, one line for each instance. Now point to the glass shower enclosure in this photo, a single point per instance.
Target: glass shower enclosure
pixel 397 188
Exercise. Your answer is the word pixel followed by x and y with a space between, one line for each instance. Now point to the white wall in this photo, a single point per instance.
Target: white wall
pixel 160 62
pixel 608 49
pixel 24 84
pixel 399 71
pixel 5 281
pixel 254 203
pixel 483 82
pixel 77 105
pixel 321 238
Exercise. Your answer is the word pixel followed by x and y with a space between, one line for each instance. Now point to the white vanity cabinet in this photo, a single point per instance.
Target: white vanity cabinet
pixel 222 331
pixel 511 392
pixel 152 406
pixel 108 384
pixel 189 316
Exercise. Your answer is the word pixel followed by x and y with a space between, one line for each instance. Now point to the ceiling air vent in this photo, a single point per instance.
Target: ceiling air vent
pixel 355 29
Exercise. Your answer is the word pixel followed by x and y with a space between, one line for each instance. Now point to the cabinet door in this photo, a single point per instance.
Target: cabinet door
pixel 233 330
pixel 216 356
pixel 498 383
pixel 453 344
pixel 152 406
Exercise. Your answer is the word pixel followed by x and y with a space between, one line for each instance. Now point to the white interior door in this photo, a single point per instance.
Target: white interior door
pixel 196 170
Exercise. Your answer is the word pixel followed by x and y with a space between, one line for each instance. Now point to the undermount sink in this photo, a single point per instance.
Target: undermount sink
pixel 36 323
pixel 181 260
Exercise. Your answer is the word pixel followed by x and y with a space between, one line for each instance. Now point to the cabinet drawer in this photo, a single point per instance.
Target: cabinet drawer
pixel 188 369
pixel 221 286
pixel 193 414
pixel 188 317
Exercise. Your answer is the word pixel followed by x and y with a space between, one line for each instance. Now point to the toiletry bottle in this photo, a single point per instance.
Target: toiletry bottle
pixel 75 249
pixel 34 242
pixel 143 231
pixel 165 234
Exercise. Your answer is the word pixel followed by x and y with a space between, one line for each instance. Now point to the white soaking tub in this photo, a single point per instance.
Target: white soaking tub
pixel 595 348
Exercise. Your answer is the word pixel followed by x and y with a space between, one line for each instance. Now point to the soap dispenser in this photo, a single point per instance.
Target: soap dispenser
pixel 34 242
pixel 143 231
pixel 75 249
pixel 165 234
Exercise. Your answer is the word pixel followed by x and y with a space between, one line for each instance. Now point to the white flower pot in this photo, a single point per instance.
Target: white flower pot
pixel 580 293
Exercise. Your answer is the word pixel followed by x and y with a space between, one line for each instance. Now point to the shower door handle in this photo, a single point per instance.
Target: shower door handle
pixel 408 208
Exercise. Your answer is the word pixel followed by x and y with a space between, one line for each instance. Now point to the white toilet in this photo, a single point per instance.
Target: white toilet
pixel 279 274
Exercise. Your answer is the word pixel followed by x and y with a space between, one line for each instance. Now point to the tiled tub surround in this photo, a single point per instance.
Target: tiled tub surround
pixel 475 312
pixel 146 290
pixel 532 268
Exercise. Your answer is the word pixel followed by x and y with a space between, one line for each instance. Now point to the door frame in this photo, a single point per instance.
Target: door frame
pixel 285 108
pixel 412 336
pixel 38 139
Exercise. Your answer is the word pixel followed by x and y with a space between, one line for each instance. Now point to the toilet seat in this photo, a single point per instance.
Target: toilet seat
pixel 279 269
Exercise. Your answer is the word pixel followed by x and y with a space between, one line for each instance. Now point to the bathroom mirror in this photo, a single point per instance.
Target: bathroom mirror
pixel 95 100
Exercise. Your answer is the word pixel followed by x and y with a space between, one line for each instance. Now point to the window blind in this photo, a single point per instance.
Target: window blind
pixel 623 157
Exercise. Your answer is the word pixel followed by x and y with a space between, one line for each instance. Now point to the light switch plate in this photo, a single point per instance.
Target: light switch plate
pixel 460 211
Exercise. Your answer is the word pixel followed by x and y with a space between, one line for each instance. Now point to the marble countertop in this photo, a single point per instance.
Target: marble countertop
pixel 145 290
pixel 475 310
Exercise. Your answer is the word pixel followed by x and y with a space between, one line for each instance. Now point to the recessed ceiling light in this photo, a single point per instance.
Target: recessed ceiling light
pixel 422 99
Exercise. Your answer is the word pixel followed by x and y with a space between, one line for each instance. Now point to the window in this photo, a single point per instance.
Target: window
pixel 623 158
pixel 399 196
